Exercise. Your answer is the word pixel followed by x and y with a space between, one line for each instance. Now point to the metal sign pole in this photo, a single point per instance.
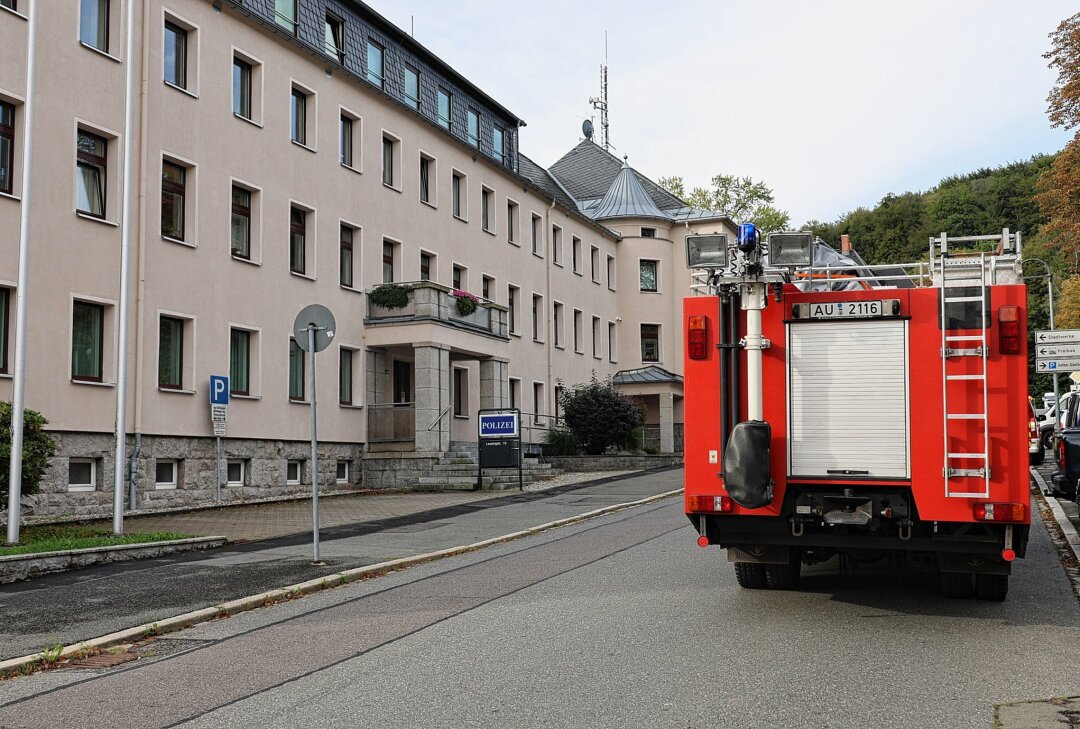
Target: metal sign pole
pixel 217 469
pixel 314 448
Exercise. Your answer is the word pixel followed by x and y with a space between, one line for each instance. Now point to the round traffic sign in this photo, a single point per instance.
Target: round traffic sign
pixel 319 317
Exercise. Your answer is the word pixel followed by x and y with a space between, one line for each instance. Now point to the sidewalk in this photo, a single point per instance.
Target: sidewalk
pixel 70 607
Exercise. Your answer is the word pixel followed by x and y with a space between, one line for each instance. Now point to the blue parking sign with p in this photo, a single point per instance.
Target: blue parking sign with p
pixel 219 390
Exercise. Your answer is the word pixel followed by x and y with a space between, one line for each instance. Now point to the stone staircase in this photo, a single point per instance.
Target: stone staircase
pixel 456 471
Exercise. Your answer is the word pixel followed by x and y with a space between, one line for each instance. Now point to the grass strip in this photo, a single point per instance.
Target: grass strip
pixel 57 537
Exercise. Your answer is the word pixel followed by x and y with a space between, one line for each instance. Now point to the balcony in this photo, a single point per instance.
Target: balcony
pixel 426 301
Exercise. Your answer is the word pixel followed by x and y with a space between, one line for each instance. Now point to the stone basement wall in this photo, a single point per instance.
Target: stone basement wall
pixel 615 463
pixel 264 473
pixel 390 470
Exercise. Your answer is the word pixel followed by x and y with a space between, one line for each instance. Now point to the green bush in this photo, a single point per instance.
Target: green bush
pixel 561 442
pixel 390 296
pixel 599 416
pixel 466 302
pixel 38 448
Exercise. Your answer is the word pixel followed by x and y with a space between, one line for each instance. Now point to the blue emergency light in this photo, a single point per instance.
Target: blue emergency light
pixel 748 237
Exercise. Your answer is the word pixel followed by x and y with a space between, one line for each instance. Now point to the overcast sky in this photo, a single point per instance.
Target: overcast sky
pixel 833 103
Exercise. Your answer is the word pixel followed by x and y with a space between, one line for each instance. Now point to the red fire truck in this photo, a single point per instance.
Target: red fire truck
pixel 871 412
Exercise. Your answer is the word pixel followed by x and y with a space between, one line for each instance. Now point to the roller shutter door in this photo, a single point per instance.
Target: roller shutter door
pixel 848 398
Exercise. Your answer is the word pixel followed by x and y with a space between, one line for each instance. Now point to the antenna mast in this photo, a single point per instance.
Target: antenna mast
pixel 602 102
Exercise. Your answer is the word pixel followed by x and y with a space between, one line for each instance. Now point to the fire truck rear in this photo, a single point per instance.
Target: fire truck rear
pixel 871 412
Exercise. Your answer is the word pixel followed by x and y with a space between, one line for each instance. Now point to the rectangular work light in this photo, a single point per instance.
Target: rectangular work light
pixel 791 250
pixel 706 251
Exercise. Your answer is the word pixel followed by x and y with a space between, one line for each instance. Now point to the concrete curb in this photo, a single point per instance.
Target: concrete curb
pixel 14 567
pixel 1067 527
pixel 34 661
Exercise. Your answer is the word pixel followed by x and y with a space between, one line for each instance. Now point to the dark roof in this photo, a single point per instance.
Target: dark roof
pixel 652 373
pixel 540 179
pixel 626 198
pixel 588 170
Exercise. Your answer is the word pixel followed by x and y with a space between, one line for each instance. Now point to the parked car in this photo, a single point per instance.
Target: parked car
pixel 1046 425
pixel 1036 450
pixel 1067 453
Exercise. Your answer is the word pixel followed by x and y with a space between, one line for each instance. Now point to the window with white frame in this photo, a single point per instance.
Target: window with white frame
pixel 612 350
pixel 300 101
pixel 7 147
pixel 346 364
pixel 459 191
pixel 649 275
pixel 577 332
pixel 171 335
pixel 538 401
pixel 342 473
pixel 443 111
pixel 556 324
pixel 87 341
pixel 5 328
pixel 298 240
pixel 427 179
pixel 348 123
pixel 473 128
pixel 513 296
pixel 515 392
pixel 166 473
pixel 240 350
pixel 285 15
pixel 294 471
pixel 334 38
pixel 611 272
pixel 391 161
pixel 537 235
pixel 348 236
pixel 595 260
pixel 177 181
pixel 537 318
pixel 556 245
pixel 412 87
pixel 596 337
pixel 296 371
pixel 94 17
pixel 576 254
pixel 175 53
pixel 461 392
pixel 375 64
pixel 236 472
pixel 246 85
pixel 512 222
pixel 92 174
pixel 650 342
pixel 487 209
pixel 82 474
pixel 241 222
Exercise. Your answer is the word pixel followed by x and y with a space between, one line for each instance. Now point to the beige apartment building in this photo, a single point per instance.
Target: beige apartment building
pixel 290 152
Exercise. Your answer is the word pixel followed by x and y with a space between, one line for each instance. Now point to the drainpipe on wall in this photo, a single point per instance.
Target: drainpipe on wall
pixel 549 335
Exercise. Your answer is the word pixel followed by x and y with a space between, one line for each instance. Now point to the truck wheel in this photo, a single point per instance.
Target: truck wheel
pixel 956 584
pixel 992 587
pixel 750 575
pixel 784 576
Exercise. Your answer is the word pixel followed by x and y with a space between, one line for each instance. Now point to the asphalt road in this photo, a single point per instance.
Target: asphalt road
pixel 621 621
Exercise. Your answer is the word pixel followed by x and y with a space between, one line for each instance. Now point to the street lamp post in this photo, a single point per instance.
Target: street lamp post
pixel 1050 301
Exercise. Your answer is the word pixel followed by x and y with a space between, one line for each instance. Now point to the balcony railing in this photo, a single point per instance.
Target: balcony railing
pixel 388 422
pixel 434 302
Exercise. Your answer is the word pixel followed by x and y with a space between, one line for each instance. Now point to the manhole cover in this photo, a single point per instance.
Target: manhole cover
pixel 104 660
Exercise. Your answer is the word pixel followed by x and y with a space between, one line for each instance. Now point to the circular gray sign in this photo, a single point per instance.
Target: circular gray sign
pixel 318 316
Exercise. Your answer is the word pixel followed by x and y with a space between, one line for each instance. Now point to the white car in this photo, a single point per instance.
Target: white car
pixel 1046 425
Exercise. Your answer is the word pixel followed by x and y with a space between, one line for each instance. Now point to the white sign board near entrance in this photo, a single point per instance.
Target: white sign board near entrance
pixel 498 425
pixel 1057 336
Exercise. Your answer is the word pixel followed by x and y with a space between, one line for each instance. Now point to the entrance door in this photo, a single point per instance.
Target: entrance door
pixel 403 384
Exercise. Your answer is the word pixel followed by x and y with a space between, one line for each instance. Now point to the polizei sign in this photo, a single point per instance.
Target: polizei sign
pixel 498 425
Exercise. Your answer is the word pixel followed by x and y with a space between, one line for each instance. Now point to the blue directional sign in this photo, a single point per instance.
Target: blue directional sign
pixel 219 390
pixel 498 425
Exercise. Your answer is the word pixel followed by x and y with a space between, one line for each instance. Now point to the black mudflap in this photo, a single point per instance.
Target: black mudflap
pixel 747 470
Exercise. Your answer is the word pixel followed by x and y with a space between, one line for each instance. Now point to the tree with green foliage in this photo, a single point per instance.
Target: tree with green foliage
pixel 598 415
pixel 38 448
pixel 740 198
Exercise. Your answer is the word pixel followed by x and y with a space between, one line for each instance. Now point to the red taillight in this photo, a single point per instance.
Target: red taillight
pixel 697 337
pixel 1061 452
pixel 1033 431
pixel 1009 329
pixel 698 503
pixel 1000 512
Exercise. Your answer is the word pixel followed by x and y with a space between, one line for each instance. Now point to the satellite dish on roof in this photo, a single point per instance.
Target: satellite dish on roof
pixel 587 129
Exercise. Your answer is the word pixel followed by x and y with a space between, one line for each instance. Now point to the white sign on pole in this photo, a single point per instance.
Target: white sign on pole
pixel 1057 365
pixel 1056 351
pixel 1057 336
pixel 219 413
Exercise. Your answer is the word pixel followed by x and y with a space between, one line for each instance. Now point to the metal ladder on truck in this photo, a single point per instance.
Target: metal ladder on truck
pixel 971 268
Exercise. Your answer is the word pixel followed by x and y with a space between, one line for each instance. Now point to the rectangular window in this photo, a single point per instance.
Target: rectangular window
pixel 342 473
pixel 292 472
pixel 511 221
pixel 575 253
pixel 426 164
pixel 82 474
pixel 611 348
pixel 345 140
pixel 515 392
pixel 389 177
pixel 596 337
pixel 94 23
pixel 235 471
pixel 90 181
pixel 412 87
pixel 538 401
pixel 474 128
pixel 461 379
pixel 648 232
pixel 425 266
pixel 297 240
pixel 296 371
pixel 387 262
pixel 298 127
pixel 285 14
pixel 171 353
pixel 87 329
pixel 487 199
pixel 537 313
pixel 457 277
pixel 241 89
pixel 556 245
pixel 165 474
pixel 511 304
pixel 444 109
pixel 345 256
pixel 345 373
pixel 175 55
pixel 611 272
pixel 239 362
pixel 647 275
pixel 595 261
pixel 7 147
pixel 5 310
pixel 577 331
pixel 457 194
pixel 536 249
pixel 334 40
pixel 241 222
pixel 485 286
pixel 9 4
pixel 556 324
pixel 650 342
pixel 173 178
pixel 375 64
pixel 498 142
